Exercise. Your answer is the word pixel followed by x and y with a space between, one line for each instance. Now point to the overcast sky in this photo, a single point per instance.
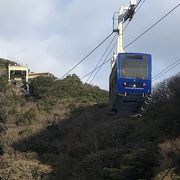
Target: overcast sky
pixel 53 35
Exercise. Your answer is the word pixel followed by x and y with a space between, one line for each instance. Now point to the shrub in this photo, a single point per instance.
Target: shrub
pixel 3 83
pixel 164 112
pixel 47 91
pixel 27 118
pixel 170 151
pixel 142 161
pixel 41 87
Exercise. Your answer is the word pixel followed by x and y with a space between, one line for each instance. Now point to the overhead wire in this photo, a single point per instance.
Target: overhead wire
pixel 135 11
pixel 167 69
pixel 123 31
pixel 175 63
pixel 125 46
pixel 93 49
pixel 103 62
pixel 126 26
pixel 101 57
pixel 97 68
pixel 87 55
pixel 157 22
pixel 151 25
pixel 140 6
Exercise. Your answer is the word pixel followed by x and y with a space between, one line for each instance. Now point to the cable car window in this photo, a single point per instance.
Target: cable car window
pixel 134 57
pixel 135 67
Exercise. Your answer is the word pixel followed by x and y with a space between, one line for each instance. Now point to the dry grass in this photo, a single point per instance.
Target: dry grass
pixel 167 174
pixel 170 150
pixel 17 166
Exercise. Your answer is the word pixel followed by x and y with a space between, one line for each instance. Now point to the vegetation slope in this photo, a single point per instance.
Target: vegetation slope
pixel 62 131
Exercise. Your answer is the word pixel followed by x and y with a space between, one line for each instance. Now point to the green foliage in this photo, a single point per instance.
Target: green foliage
pixel 164 111
pixel 48 91
pixel 71 86
pixel 3 83
pixel 41 87
pixel 166 91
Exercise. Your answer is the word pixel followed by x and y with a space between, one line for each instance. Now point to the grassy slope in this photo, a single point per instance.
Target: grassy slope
pixel 63 132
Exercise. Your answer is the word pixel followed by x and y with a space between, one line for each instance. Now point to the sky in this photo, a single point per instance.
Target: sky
pixel 53 35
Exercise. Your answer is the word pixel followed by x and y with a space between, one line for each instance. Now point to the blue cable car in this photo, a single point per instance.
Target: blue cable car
pixel 130 82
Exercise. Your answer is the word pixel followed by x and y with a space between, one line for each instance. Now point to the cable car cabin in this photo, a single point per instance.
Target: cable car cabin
pixel 130 82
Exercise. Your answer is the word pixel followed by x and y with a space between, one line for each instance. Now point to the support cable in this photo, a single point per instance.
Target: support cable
pixel 87 55
pixel 135 12
pixel 140 6
pixel 101 57
pixel 103 62
pixel 97 68
pixel 126 26
pixel 152 25
pixel 166 70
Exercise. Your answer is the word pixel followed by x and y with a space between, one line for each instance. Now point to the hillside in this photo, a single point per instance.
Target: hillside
pixel 63 131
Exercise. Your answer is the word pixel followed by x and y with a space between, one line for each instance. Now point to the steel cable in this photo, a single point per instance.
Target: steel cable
pixel 87 55
pixel 152 26
pixel 101 58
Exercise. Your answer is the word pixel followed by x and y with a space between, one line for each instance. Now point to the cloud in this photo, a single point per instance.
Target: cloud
pixel 51 35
